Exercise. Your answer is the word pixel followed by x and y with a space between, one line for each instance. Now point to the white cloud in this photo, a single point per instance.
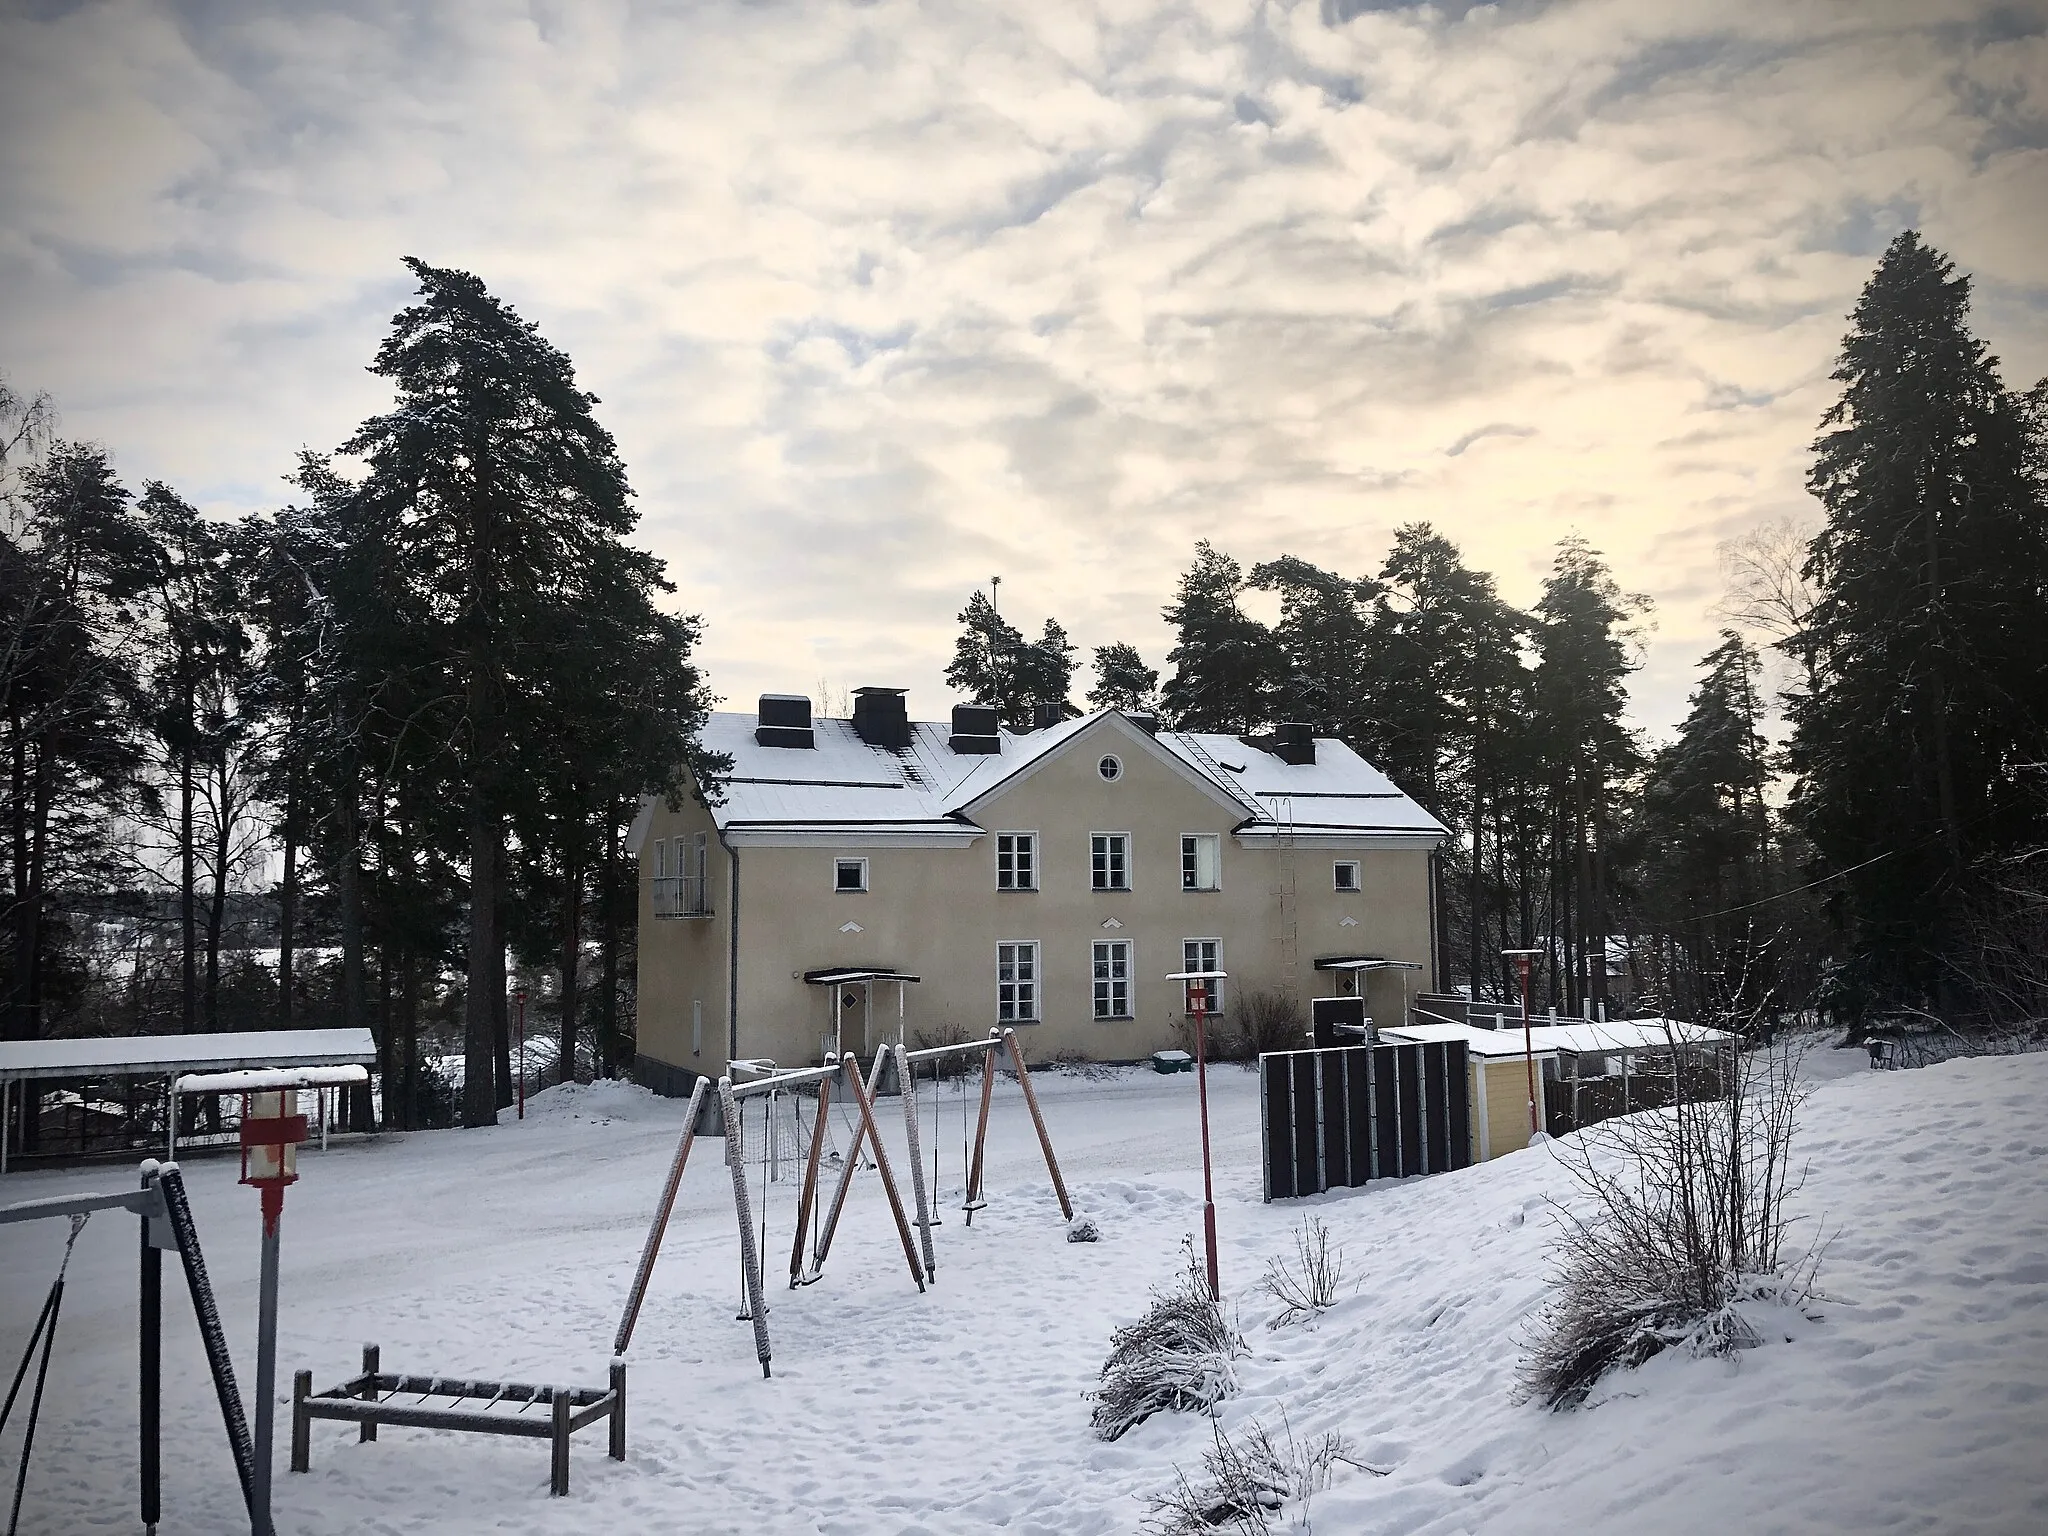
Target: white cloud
pixel 884 299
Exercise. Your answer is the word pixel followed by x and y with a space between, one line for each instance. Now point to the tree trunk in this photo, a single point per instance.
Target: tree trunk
pixel 217 903
pixel 287 906
pixel 501 1019
pixel 608 951
pixel 571 953
pixel 349 882
pixel 479 1095
pixel 188 880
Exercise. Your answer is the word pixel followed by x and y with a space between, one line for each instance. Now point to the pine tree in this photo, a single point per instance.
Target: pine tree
pixel 994 665
pixel 498 498
pixel 1227 665
pixel 1703 833
pixel 1322 642
pixel 1929 652
pixel 1123 681
pixel 1582 640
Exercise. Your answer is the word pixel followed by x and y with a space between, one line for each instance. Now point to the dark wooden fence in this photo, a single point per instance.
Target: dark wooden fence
pixel 1333 1119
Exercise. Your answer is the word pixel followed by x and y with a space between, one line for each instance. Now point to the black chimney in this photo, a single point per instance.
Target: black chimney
pixel 1294 741
pixel 880 717
pixel 1149 724
pixel 1045 716
pixel 785 721
pixel 977 729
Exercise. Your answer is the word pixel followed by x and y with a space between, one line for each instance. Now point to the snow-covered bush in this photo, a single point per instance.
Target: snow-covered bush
pixel 1177 1356
pixel 1306 1288
pixel 1082 1229
pixel 1684 1229
pixel 1247 1484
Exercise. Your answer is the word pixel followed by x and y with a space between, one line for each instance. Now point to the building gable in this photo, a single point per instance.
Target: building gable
pixel 1075 760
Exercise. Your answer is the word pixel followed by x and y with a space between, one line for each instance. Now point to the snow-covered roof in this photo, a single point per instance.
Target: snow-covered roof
pixel 1480 1042
pixel 151 1055
pixel 1546 1039
pixel 842 785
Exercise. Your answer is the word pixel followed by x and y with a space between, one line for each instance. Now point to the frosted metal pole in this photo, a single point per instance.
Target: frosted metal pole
pixel 266 1361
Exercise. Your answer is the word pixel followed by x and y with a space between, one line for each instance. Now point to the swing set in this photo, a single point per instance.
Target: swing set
pixel 720 1110
pixel 166 1215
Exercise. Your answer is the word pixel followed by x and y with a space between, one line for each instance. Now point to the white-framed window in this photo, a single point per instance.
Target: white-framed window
pixel 681 864
pixel 1202 955
pixel 1017 981
pixel 1109 861
pixel 1110 766
pixel 1112 972
pixel 1344 875
pixel 1016 861
pixel 1201 862
pixel 849 875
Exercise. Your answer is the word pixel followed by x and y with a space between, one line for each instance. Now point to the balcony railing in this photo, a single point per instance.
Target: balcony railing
pixel 681 896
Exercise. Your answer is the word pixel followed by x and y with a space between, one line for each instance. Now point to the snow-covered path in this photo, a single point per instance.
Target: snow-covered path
pixel 1920 1404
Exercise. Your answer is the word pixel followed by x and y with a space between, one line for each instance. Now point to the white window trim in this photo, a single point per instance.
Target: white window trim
pixel 1216 838
pixel 1216 1000
pixel 1037 982
pixel 1110 778
pixel 1357 867
pixel 1130 864
pixel 1130 1012
pixel 1037 845
pixel 845 890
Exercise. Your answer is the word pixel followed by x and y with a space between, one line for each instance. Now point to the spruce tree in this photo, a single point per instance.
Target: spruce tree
pixel 993 664
pixel 1929 654
pixel 1227 665
pixel 1322 643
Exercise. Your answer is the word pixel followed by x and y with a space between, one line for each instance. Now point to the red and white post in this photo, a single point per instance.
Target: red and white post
pixel 272 1129
pixel 1200 986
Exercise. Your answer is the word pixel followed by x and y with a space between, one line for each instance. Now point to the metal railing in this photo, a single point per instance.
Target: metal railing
pixel 682 896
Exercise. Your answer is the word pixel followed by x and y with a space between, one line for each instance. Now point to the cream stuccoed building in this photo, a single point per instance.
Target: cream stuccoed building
pixel 1047 879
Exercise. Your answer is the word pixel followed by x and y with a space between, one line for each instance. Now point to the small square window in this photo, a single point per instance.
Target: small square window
pixel 1201 862
pixel 1345 874
pixel 1202 955
pixel 849 874
pixel 1109 861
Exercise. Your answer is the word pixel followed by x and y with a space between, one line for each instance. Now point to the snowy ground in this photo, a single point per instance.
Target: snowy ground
pixel 1919 1404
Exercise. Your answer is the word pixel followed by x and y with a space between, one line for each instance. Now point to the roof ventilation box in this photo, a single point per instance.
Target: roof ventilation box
pixel 1149 724
pixel 880 717
pixel 977 730
pixel 785 721
pixel 1294 741
pixel 1045 716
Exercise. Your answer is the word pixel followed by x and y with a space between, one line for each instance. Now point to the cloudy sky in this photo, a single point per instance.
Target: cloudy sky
pixel 884 299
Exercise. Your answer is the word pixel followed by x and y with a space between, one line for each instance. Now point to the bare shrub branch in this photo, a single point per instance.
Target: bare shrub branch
pixel 1307 1288
pixel 1248 1482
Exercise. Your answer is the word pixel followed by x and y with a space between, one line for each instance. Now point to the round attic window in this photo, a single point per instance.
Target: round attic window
pixel 1111 767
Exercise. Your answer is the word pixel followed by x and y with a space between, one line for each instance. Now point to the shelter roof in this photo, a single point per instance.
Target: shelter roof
pixel 1480 1042
pixel 161 1055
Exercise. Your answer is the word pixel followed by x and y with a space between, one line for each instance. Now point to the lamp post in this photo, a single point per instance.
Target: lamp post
pixel 1523 958
pixel 1200 992
pixel 272 1129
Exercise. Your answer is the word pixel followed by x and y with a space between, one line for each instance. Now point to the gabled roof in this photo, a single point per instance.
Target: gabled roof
pixel 842 786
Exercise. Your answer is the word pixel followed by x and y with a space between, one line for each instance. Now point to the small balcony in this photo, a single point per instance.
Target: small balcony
pixel 681 896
